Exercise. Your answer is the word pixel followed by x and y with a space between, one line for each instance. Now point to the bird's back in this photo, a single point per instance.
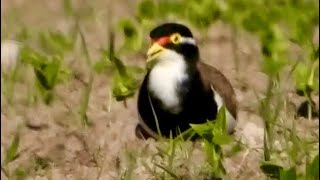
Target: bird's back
pixel 213 78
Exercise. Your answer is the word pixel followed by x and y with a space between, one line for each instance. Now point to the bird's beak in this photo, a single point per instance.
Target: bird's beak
pixel 154 51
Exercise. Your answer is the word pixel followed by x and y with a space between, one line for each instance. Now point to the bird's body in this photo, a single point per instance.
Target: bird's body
pixel 179 89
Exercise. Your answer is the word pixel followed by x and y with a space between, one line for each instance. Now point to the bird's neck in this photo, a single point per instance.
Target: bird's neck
pixel 168 81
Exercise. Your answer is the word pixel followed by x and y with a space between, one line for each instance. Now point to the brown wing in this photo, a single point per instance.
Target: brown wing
pixel 213 77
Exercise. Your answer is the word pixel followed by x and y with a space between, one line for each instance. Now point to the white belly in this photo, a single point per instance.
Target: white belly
pixel 164 80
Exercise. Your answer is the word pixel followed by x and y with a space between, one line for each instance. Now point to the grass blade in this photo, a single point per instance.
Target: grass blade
pixel 87 90
pixel 173 175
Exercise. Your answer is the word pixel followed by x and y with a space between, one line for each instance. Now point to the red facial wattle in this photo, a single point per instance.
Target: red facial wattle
pixel 162 41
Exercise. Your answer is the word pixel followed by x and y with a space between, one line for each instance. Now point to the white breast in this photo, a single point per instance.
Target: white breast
pixel 165 77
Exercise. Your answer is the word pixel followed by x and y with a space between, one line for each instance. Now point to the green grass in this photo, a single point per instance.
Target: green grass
pixel 277 25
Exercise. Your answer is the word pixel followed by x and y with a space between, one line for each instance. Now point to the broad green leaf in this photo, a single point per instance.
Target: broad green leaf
pixel 303 76
pixel 136 70
pixel 64 74
pixel 289 174
pixel 102 66
pixel 20 173
pixel 270 169
pixel 30 56
pixel 47 73
pixel 120 67
pixel 313 83
pixel 254 22
pixel 236 147
pixel 214 157
pixel 146 10
pixel 302 29
pixel 62 40
pixel 55 42
pixel 12 152
pixel 273 41
pixel 221 120
pixel 202 13
pixel 132 41
pixel 315 55
pixel 210 151
pixel 48 44
pixel 23 35
pixel 123 87
pixel 52 71
pixel 125 82
pixel 48 70
pixel 272 66
pixel 201 129
pixel 41 163
pixel 167 8
pixel 67 7
pixel 222 139
pixel 312 169
pixel 235 7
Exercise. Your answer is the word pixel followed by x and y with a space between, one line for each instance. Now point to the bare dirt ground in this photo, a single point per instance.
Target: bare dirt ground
pixel 100 151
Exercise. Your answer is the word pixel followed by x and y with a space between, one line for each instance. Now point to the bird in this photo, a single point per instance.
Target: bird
pixel 179 89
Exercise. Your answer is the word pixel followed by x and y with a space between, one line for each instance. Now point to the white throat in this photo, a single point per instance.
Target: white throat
pixel 165 77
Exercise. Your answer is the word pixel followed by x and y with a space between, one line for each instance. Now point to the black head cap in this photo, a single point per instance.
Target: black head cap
pixel 168 29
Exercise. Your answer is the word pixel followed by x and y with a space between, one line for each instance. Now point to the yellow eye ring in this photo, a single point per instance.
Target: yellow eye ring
pixel 175 38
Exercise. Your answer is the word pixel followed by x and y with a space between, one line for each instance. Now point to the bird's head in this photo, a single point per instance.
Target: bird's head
pixel 171 41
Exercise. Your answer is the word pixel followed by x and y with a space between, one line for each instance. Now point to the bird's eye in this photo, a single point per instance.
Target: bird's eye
pixel 175 38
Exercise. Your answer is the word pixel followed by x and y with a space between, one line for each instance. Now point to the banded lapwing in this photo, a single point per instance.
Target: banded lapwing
pixel 179 88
